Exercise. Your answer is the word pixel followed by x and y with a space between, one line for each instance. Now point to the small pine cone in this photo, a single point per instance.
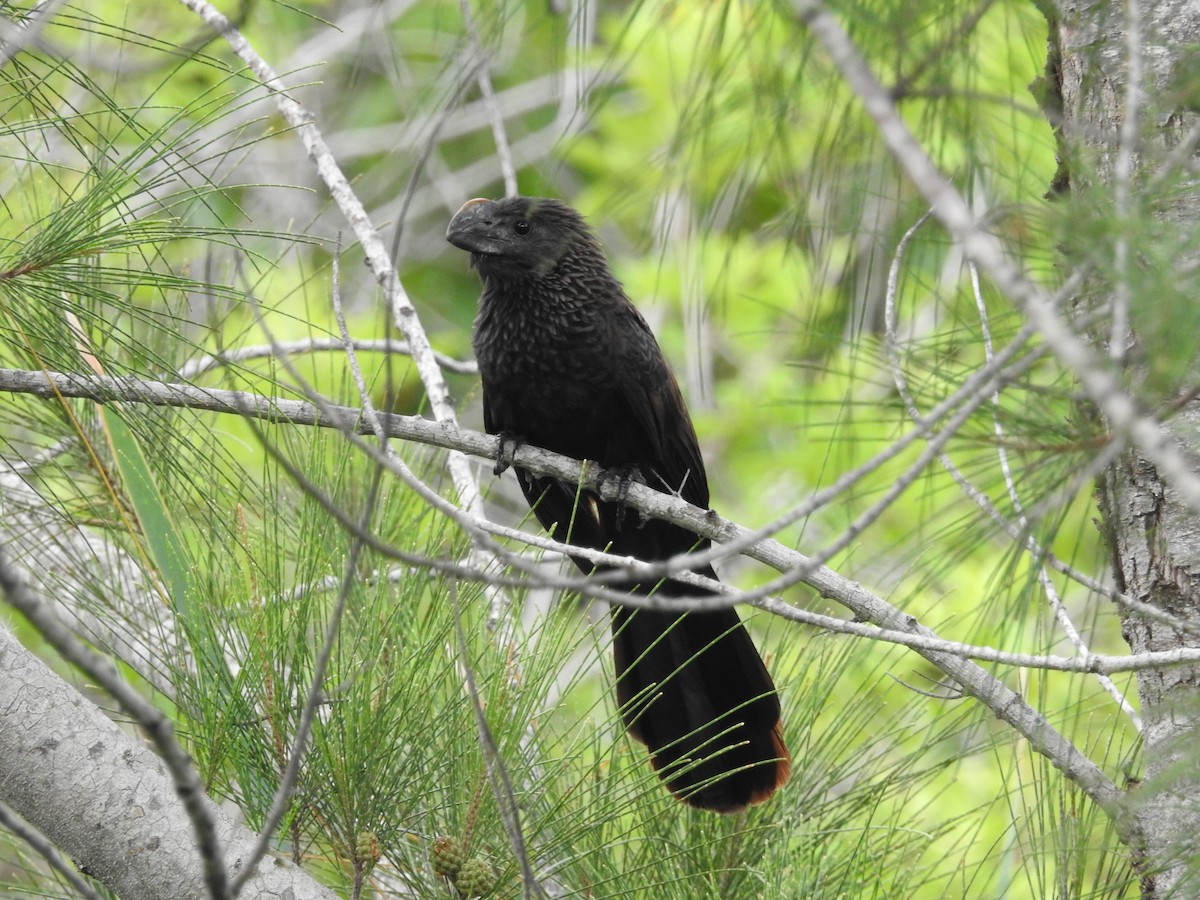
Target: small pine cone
pixel 366 849
pixel 476 878
pixel 448 856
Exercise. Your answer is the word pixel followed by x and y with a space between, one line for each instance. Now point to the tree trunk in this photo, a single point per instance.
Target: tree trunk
pixel 1154 535
pixel 104 798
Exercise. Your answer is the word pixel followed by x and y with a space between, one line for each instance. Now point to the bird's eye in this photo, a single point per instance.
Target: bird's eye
pixel 521 227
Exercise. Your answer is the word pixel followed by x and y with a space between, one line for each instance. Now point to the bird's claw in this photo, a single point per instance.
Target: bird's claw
pixel 624 476
pixel 506 448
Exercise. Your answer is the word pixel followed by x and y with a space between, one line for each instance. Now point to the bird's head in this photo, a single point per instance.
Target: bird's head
pixel 518 238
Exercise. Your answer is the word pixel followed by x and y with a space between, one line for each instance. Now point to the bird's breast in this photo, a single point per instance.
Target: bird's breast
pixel 548 377
pixel 528 344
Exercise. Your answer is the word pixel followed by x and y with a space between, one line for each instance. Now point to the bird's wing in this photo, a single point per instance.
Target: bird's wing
pixel 671 460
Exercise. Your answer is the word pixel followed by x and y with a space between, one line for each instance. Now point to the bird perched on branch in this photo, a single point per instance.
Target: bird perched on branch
pixel 570 365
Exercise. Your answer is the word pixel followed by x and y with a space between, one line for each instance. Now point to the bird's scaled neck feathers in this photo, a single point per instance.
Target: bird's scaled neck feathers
pixel 579 278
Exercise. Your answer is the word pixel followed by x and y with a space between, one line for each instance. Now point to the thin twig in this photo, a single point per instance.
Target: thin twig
pixel 1056 605
pixel 194 368
pixel 1035 549
pixel 484 78
pixel 952 695
pixel 502 786
pixel 1019 531
pixel 16 35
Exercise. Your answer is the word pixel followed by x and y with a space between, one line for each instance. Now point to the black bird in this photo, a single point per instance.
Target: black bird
pixel 568 364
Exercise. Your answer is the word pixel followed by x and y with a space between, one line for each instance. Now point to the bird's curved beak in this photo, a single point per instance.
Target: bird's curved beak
pixel 473 228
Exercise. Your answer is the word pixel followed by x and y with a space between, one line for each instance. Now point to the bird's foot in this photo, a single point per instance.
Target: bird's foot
pixel 624 476
pixel 507 443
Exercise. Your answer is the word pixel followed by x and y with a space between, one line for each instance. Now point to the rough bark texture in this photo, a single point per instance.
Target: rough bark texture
pixel 105 799
pixel 1156 558
pixel 1154 536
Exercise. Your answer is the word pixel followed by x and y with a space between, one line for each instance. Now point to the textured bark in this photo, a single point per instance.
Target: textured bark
pixel 1154 535
pixel 105 799
pixel 1156 558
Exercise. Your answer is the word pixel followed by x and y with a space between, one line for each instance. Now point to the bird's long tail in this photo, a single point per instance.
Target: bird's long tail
pixel 694 690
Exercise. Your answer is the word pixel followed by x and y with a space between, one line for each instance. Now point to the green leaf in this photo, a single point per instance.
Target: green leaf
pixel 150 507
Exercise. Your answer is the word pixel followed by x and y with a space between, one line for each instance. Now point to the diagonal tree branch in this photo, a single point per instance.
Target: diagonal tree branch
pixel 704 522
pixel 1005 703
pixel 1122 412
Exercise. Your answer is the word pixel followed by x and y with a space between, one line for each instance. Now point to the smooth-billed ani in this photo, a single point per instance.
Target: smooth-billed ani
pixel 568 364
